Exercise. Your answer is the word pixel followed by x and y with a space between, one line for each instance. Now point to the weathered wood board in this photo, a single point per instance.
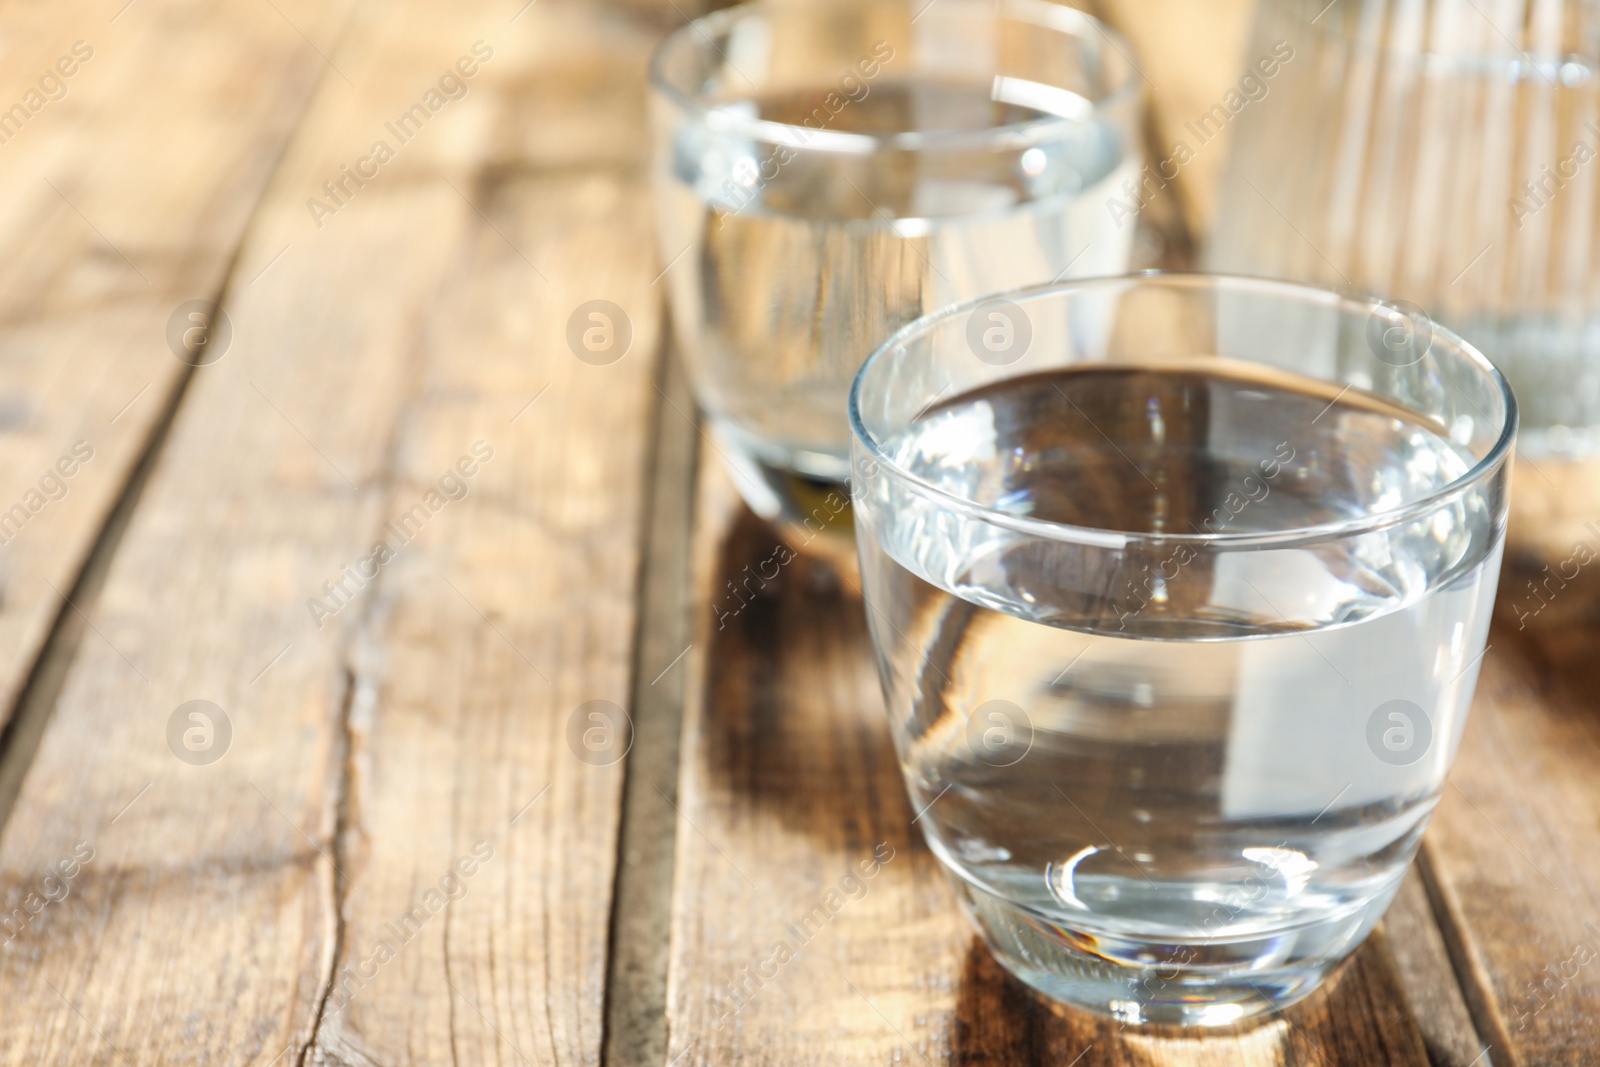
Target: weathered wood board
pixel 124 195
pixel 388 753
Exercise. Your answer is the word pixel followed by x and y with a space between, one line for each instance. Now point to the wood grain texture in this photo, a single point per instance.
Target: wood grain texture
pixel 1427 977
pixel 498 626
pixel 407 852
pixel 225 904
pixel 789 783
pixel 1510 852
pixel 119 200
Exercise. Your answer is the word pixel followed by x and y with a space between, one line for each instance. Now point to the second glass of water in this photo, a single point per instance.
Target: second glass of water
pixel 829 170
pixel 1178 615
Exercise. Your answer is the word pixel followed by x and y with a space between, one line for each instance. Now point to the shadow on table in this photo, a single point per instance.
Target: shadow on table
pixel 794 729
pixel 1000 1022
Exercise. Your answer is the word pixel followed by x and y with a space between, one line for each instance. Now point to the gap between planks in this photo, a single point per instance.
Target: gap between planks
pixel 22 729
pixel 20 738
pixel 636 979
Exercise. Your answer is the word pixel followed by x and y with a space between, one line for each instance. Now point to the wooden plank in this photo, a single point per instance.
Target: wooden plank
pixel 123 196
pixel 467 737
pixel 227 904
pixel 1510 851
pixel 789 783
pixel 1427 977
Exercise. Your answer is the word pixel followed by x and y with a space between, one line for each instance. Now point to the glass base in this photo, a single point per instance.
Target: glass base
pixel 1204 982
pixel 804 494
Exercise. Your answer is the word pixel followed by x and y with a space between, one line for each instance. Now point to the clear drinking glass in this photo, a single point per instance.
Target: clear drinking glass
pixel 1178 615
pixel 828 170
pixel 1444 153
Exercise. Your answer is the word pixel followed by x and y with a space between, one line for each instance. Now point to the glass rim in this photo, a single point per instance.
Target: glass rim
pixel 697 34
pixel 1333 297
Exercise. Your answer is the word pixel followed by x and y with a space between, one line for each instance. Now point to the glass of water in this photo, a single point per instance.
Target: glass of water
pixel 829 170
pixel 1178 613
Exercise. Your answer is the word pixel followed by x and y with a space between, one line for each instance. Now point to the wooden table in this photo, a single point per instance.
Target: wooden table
pixel 399 828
